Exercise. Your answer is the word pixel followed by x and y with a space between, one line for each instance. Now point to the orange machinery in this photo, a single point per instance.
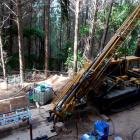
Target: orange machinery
pixel 86 80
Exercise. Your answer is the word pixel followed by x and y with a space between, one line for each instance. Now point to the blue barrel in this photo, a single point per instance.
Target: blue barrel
pixel 102 129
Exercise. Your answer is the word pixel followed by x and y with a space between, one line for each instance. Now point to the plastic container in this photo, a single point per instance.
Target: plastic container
pixel 88 137
pixel 118 138
pixel 102 129
pixel 43 93
pixel 30 94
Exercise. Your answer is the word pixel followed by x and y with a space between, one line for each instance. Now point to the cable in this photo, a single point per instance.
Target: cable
pixel 113 127
pixel 78 118
pixel 76 129
pixel 134 132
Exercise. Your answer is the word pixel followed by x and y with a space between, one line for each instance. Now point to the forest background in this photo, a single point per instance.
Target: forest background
pixel 58 35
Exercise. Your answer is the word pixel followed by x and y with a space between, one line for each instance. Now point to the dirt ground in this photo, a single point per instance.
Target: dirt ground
pixel 7 96
pixel 126 123
pixel 56 81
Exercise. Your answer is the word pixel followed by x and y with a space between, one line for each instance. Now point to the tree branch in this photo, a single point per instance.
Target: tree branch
pixel 14 2
pixel 10 9
pixel 4 20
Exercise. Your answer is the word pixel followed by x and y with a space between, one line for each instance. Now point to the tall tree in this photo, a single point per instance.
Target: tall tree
pixel 91 50
pixel 20 39
pixel 10 31
pixel 3 19
pixel 106 26
pixel 137 52
pixel 77 10
pixel 20 9
pixel 47 18
pixel 2 56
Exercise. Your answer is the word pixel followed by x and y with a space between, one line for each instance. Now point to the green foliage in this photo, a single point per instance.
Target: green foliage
pixel 63 53
pixel 84 30
pixel 129 45
pixel 27 32
pixel 64 9
pixel 70 59
pixel 5 42
pixel 13 62
pixel 35 32
pixel 119 14
pixel 30 64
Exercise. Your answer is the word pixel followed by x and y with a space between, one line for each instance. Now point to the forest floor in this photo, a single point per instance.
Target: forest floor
pixel 7 96
pixel 56 81
pixel 125 123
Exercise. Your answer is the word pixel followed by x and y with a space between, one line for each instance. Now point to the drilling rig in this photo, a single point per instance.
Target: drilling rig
pixel 90 79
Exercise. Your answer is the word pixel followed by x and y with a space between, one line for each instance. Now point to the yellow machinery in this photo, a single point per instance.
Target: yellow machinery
pixel 87 80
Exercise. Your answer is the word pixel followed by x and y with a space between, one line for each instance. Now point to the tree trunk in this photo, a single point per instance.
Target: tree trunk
pixel 60 43
pixel 30 39
pixel 20 41
pixel 29 50
pixel 10 31
pixel 106 27
pixel 76 35
pixel 2 57
pixel 91 49
pixel 137 52
pixel 86 16
pixel 68 24
pixel 47 17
